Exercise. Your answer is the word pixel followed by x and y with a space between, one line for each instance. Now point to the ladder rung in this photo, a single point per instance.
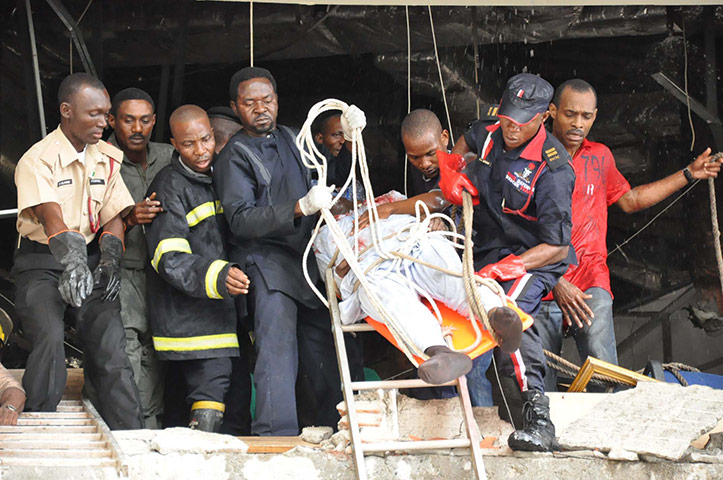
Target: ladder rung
pixel 420 445
pixel 411 383
pixel 358 327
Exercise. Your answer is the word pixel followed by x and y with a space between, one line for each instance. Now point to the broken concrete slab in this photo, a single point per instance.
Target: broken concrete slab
pixel 178 440
pixel 316 435
pixel 657 419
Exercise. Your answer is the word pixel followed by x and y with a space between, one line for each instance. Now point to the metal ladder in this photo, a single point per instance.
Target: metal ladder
pixel 74 435
pixel 348 387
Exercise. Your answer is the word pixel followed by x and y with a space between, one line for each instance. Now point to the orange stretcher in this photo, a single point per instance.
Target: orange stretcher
pixel 462 334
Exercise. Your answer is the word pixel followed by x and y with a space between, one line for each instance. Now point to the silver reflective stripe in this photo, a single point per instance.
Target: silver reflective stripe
pixel 254 158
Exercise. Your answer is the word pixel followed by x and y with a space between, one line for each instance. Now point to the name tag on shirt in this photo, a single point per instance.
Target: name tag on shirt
pixel 67 181
pixel 97 181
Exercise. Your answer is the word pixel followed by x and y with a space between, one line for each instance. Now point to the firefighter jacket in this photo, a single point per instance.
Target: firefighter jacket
pixel 191 313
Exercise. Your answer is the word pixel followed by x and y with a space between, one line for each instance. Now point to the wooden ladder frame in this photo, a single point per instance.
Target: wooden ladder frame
pixel 348 386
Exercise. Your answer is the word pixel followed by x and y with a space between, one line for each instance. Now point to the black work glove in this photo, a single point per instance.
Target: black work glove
pixel 108 270
pixel 76 282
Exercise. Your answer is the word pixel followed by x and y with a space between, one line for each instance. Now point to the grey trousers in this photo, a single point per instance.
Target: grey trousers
pixel 147 369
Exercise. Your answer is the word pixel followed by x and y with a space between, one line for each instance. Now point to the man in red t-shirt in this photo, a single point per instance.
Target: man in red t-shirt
pixel 582 298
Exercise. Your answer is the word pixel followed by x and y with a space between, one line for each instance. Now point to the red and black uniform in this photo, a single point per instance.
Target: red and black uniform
pixel 525 200
pixel 192 316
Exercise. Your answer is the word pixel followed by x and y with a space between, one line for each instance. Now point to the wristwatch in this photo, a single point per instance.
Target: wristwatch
pixel 688 175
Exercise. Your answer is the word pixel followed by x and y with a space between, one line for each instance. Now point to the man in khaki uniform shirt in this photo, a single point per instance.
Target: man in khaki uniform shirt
pixel 69 189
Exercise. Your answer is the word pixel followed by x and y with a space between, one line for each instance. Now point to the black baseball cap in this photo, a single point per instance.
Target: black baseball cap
pixel 525 96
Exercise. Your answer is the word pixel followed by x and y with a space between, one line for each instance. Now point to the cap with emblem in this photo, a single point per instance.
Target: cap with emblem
pixel 525 96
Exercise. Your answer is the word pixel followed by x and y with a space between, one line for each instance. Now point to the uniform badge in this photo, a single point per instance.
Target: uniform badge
pixel 552 154
pixel 67 181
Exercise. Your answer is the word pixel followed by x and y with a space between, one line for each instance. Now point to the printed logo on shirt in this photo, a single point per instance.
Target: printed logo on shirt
pixel 520 183
pixel 67 181
pixel 97 181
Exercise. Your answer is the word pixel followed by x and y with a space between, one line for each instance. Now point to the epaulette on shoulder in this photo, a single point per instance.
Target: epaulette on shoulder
pixel 488 113
pixel 110 151
pixel 554 158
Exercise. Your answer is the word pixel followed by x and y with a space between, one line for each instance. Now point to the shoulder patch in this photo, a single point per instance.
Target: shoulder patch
pixel 110 151
pixel 553 158
pixel 489 112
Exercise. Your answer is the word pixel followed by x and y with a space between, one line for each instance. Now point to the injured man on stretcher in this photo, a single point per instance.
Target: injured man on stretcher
pixel 397 283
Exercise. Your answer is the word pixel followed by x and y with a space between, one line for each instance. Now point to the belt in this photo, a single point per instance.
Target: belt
pixel 29 246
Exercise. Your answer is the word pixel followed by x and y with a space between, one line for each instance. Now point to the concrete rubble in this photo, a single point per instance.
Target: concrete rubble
pixel 625 444
pixel 658 419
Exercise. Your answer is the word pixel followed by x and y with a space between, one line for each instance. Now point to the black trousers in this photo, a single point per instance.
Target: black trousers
pixel 237 419
pixel 290 337
pixel 527 364
pixel 41 311
pixel 207 379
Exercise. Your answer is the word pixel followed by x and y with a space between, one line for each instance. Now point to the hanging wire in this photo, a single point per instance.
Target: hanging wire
pixel 685 86
pixel 439 69
pixel 409 95
pixel 251 33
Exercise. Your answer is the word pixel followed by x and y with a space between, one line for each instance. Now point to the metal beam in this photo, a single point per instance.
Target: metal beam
pixel 695 106
pixel 36 69
pixel 75 34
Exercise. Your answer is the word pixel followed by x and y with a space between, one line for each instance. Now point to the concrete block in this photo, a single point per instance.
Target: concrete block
pixel 657 419
pixel 316 435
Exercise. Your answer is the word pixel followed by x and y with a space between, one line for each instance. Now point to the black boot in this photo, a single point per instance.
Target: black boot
pixel 206 419
pixel 538 432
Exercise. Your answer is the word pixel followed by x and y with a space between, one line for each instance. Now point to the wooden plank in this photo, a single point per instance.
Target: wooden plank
pixel 59 414
pixel 52 421
pixel 56 462
pixel 73 386
pixel 274 444
pixel 22 443
pixel 24 435
pixel 69 408
pixel 53 453
pixel 56 429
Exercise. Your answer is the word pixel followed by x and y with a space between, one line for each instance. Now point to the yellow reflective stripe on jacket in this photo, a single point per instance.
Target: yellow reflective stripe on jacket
pixel 169 245
pixel 212 278
pixel 202 212
pixel 186 344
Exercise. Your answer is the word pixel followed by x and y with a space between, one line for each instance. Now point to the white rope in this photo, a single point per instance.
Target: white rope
pixel 409 236
pixel 251 33
pixel 439 69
